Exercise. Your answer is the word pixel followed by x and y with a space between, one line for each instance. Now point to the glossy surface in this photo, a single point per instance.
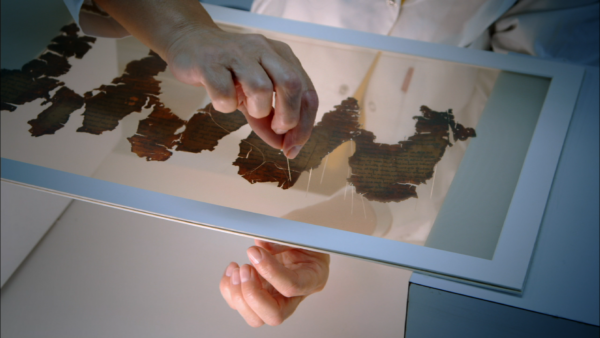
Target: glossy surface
pixel 209 177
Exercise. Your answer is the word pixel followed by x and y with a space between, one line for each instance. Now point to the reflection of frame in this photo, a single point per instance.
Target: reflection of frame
pixel 516 224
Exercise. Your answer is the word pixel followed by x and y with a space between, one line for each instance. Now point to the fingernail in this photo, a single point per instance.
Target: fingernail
pixel 235 277
pixel 229 270
pixel 245 273
pixel 293 151
pixel 255 255
pixel 280 131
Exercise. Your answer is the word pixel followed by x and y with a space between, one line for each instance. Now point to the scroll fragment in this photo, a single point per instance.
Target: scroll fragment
pixel 391 172
pixel 380 172
pixel 259 162
pixel 37 78
pixel 135 89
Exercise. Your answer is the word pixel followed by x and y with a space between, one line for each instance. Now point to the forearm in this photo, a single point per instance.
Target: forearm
pixel 156 23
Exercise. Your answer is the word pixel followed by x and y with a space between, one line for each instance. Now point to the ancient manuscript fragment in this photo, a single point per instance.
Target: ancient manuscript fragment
pixel 35 79
pixel 391 172
pixel 135 89
pixel 380 172
pixel 19 88
pixel 48 64
pixel 64 102
pixel 70 44
pixel 204 130
pixel 156 134
pixel 259 162
pixel 6 106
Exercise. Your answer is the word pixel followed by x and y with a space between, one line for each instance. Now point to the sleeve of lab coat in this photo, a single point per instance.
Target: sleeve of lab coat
pixel 553 29
pixel 93 20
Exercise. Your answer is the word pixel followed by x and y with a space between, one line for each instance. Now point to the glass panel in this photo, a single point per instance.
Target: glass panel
pixel 420 186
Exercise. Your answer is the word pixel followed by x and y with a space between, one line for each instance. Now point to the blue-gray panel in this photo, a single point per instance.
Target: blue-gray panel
pixel 436 313
pixel 36 22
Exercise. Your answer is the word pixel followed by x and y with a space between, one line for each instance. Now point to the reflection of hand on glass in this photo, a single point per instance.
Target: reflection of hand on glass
pixel 280 277
pixel 239 71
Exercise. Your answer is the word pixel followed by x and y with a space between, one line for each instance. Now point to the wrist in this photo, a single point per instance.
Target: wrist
pixel 158 23
pixel 170 41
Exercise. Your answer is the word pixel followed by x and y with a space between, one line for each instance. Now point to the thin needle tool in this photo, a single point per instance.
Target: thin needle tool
pixel 433 181
pixel 308 184
pixel 324 168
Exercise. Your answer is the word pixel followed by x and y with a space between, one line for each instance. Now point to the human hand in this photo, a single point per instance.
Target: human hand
pixel 239 71
pixel 280 277
pixel 242 71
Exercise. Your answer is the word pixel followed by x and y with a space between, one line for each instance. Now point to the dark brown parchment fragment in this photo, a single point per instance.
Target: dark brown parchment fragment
pixel 70 44
pixel 131 91
pixel 259 162
pixel 19 87
pixel 34 80
pixel 156 134
pixel 391 172
pixel 48 64
pixel 204 130
pixel 64 102
pixel 6 106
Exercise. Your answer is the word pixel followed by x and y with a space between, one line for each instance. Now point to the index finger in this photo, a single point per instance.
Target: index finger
pixel 262 128
pixel 288 84
pixel 296 101
pixel 296 138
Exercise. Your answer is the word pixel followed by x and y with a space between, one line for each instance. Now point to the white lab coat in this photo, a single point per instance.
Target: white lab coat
pixel 563 30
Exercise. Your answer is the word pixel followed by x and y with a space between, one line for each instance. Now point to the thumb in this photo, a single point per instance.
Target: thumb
pixel 272 248
pixel 290 283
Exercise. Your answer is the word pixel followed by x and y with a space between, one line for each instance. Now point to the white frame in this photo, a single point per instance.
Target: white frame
pixel 508 268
